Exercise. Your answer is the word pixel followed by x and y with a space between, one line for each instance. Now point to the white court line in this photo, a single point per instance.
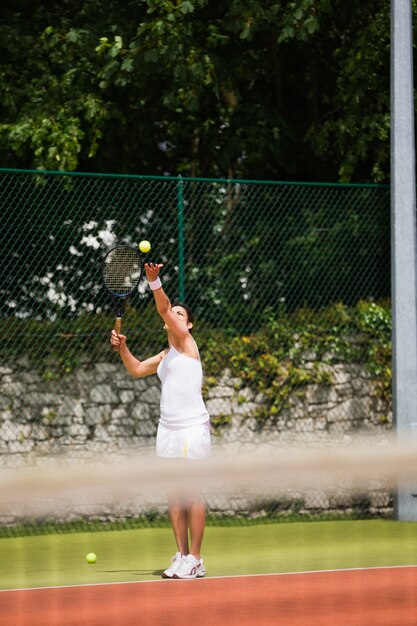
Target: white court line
pixel 164 582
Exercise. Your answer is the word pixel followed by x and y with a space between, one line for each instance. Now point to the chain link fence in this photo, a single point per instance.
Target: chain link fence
pixel 289 284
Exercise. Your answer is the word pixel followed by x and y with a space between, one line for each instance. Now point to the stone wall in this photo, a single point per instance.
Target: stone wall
pixel 101 408
pixel 92 409
pixel 348 405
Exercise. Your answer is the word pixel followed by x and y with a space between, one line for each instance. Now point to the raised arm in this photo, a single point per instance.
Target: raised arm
pixel 163 304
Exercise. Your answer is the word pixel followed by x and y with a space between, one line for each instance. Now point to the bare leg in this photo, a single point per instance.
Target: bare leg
pixel 197 521
pixel 178 514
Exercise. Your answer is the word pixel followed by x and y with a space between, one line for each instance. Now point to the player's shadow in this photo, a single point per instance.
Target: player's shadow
pixel 139 572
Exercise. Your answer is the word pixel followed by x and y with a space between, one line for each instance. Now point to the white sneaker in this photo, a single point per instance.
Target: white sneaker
pixel 190 567
pixel 175 563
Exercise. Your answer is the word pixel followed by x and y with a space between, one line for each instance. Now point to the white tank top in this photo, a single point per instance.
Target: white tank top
pixel 182 404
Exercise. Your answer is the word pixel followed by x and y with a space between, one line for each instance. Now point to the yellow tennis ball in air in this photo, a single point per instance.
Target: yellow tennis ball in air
pixel 91 557
pixel 144 246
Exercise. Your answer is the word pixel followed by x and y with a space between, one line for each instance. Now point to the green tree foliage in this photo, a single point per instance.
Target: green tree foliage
pixel 51 111
pixel 244 88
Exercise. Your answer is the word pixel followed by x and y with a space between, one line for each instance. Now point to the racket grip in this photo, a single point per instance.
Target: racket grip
pixel 118 329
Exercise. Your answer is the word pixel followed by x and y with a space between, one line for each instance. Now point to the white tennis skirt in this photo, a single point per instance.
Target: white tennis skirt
pixel 193 442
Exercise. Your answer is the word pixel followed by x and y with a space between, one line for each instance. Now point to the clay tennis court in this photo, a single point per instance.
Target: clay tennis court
pixel 379 596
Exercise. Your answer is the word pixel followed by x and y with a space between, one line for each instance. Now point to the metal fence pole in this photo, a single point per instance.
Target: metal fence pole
pixel 403 237
pixel 181 245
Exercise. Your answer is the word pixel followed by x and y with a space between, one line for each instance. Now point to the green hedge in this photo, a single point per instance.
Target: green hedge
pixel 285 354
pixel 290 352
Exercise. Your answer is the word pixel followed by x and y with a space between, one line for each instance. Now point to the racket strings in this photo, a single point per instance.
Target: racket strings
pixel 122 270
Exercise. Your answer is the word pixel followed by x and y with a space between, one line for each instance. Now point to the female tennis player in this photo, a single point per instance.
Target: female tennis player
pixel 184 428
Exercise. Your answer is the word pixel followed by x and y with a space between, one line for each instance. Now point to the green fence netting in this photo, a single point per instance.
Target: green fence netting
pixel 288 282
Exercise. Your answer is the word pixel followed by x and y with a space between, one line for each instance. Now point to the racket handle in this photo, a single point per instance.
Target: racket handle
pixel 118 329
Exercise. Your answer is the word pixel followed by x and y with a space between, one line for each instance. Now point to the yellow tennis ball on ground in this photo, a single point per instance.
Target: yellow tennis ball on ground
pixel 91 557
pixel 144 246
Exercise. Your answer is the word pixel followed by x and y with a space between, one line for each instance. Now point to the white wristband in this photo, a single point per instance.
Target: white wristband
pixel 156 284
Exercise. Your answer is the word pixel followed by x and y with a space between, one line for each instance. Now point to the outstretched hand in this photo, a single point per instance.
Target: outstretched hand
pixel 152 270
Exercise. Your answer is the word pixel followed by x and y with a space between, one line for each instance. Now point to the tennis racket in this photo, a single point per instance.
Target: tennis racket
pixel 122 271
